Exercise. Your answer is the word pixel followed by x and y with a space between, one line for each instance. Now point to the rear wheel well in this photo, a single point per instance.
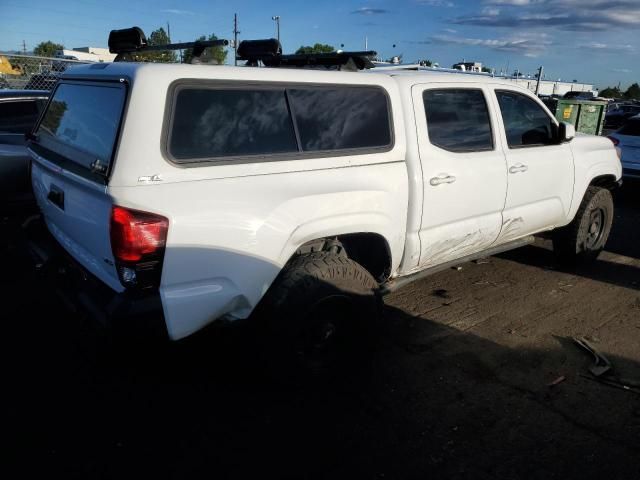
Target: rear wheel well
pixel 370 250
pixel 605 181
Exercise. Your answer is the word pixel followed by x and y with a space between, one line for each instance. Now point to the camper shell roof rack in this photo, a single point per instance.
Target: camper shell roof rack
pixel 132 40
pixel 129 41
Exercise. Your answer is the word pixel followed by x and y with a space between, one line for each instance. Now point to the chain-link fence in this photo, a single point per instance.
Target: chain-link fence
pixel 32 73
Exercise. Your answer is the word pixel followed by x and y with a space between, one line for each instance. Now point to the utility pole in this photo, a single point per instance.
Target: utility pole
pixel 235 39
pixel 24 48
pixel 540 70
pixel 276 18
pixel 168 32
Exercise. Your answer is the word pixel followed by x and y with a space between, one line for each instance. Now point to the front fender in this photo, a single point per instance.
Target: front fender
pixel 594 157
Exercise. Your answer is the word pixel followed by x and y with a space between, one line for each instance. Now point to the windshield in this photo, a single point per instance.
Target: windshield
pixel 81 124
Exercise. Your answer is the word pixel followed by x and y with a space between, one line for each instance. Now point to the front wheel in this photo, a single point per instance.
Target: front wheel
pixel 585 237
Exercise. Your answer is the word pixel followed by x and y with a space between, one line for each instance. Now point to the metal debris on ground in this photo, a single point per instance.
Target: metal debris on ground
pixel 602 370
pixel 557 381
pixel 602 364
pixel 613 383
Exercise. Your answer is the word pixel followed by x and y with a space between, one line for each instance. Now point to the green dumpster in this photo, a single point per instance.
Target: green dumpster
pixel 586 115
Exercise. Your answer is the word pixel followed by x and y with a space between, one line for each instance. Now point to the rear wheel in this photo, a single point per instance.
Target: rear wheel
pixel 585 237
pixel 318 316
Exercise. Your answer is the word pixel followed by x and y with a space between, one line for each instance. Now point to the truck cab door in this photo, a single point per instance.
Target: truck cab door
pixel 463 171
pixel 540 170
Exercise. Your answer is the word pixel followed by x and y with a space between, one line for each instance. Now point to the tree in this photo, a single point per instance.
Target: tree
pixel 426 63
pixel 610 92
pixel 487 69
pixel 317 48
pixel 47 49
pixel 157 37
pixel 210 55
pixel 633 91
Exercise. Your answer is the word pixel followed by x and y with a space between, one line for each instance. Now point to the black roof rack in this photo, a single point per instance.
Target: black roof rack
pixel 269 52
pixel 133 40
pixel 129 41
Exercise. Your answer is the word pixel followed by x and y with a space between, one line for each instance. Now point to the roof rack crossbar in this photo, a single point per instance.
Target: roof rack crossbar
pixel 133 40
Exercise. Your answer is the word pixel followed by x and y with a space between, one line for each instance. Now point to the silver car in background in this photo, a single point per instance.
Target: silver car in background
pixel 19 111
pixel 627 140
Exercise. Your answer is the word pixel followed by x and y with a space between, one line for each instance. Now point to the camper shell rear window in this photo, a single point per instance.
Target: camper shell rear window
pixel 80 126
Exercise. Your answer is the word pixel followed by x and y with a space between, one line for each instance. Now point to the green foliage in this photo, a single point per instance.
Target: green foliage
pixel 317 48
pixel 633 91
pixel 487 69
pixel 47 49
pixel 611 92
pixel 210 55
pixel 157 37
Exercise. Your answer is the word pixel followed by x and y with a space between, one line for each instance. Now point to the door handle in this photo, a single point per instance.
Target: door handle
pixel 56 196
pixel 435 181
pixel 518 168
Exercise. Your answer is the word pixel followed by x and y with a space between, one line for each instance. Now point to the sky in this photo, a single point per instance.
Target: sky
pixel 592 41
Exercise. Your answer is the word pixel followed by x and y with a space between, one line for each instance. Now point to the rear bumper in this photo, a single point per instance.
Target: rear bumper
pixel 129 313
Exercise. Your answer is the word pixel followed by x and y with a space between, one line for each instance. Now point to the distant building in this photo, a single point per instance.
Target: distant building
pixel 87 54
pixel 549 87
pixel 468 66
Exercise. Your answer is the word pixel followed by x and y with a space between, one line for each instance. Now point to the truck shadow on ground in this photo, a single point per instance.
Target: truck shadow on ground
pixel 430 402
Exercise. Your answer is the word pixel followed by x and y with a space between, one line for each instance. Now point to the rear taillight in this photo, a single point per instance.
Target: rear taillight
pixel 615 141
pixel 138 241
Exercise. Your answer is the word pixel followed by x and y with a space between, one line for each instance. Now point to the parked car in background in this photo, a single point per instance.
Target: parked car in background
pixel 579 95
pixel 627 140
pixel 618 115
pixel 19 111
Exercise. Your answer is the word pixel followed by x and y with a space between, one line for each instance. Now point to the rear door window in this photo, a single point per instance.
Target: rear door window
pixel 209 123
pixel 81 124
pixel 526 123
pixel 339 118
pixel 458 119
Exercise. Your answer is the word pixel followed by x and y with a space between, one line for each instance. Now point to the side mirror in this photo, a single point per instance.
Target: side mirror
pixel 566 132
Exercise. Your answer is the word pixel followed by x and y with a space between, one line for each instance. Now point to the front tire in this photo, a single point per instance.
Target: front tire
pixel 318 316
pixel 585 237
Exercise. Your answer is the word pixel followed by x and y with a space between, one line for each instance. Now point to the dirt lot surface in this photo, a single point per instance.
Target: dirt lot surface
pixel 459 388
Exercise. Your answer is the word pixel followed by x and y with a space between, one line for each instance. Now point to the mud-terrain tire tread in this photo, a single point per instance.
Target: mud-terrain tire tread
pixel 568 240
pixel 303 281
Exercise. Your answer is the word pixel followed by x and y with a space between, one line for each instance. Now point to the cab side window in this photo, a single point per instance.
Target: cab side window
pixel 458 120
pixel 526 123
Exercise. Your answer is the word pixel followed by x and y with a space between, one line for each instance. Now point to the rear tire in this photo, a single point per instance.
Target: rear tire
pixel 319 315
pixel 585 237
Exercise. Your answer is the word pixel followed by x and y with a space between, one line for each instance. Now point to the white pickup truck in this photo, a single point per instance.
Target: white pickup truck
pixel 207 191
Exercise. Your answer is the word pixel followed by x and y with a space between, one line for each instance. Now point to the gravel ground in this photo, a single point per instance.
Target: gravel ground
pixel 459 387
